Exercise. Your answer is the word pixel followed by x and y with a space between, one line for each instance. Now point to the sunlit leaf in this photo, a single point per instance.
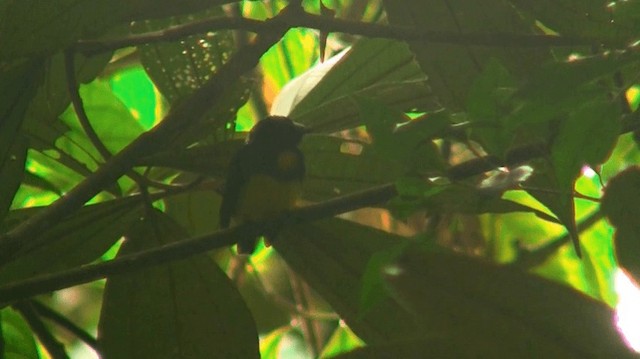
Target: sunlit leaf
pixel 18 341
pixel 178 68
pixel 375 68
pixel 558 198
pixel 341 340
pixel 186 309
pixel 574 145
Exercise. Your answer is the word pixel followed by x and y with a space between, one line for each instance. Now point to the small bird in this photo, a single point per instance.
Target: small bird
pixel 265 175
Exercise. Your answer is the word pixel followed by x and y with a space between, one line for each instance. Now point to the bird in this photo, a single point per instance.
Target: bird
pixel 265 176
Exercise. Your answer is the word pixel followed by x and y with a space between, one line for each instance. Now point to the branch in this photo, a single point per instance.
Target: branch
pixel 329 24
pixel 65 323
pixel 49 342
pixel 180 250
pixel 24 237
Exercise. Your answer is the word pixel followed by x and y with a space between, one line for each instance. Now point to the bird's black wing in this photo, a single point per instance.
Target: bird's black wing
pixel 236 179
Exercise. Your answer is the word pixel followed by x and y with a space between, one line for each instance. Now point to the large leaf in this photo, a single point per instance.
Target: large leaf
pixel 336 166
pixel 621 205
pixel 399 139
pixel 452 68
pixel 544 186
pixel 53 98
pixel 178 68
pixel 442 294
pixel 184 309
pixel 560 87
pixel 77 240
pixel 380 69
pixel 502 305
pixel 332 256
pixel 17 338
pixel 487 108
pixel 574 145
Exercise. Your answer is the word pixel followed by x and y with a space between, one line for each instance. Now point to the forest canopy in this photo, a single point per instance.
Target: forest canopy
pixel 471 188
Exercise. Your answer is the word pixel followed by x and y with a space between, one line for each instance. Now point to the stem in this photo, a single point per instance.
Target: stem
pixel 49 342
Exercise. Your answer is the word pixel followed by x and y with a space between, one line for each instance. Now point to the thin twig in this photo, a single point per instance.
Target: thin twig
pixel 78 106
pixel 64 322
pixel 49 342
pixel 532 258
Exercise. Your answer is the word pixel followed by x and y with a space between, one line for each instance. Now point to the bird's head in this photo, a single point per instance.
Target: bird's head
pixel 277 131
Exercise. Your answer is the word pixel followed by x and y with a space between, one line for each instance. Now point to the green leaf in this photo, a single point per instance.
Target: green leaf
pixel 52 98
pixel 620 204
pixel 196 211
pixel 79 239
pixel 560 87
pixel 340 341
pixel 185 309
pixel 544 186
pixel 417 194
pixel 180 67
pixel 338 166
pixel 17 338
pixel 457 295
pixel 451 68
pixel 574 145
pixel 381 69
pixel 373 287
pixel 332 256
pixel 487 107
pixel 270 344
pixel 400 139
pixel 111 120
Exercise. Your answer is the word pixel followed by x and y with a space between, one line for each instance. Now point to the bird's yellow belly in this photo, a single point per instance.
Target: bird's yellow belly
pixel 265 198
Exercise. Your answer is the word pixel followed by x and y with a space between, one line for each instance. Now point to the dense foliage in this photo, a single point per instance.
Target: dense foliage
pixel 471 183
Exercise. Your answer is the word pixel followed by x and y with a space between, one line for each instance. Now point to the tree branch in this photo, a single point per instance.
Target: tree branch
pixel 65 323
pixel 24 237
pixel 329 24
pixel 189 247
pixel 52 345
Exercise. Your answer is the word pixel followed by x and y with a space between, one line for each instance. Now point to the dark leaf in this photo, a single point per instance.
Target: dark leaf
pixel 620 204
pixel 79 239
pixel 513 310
pixel 185 309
